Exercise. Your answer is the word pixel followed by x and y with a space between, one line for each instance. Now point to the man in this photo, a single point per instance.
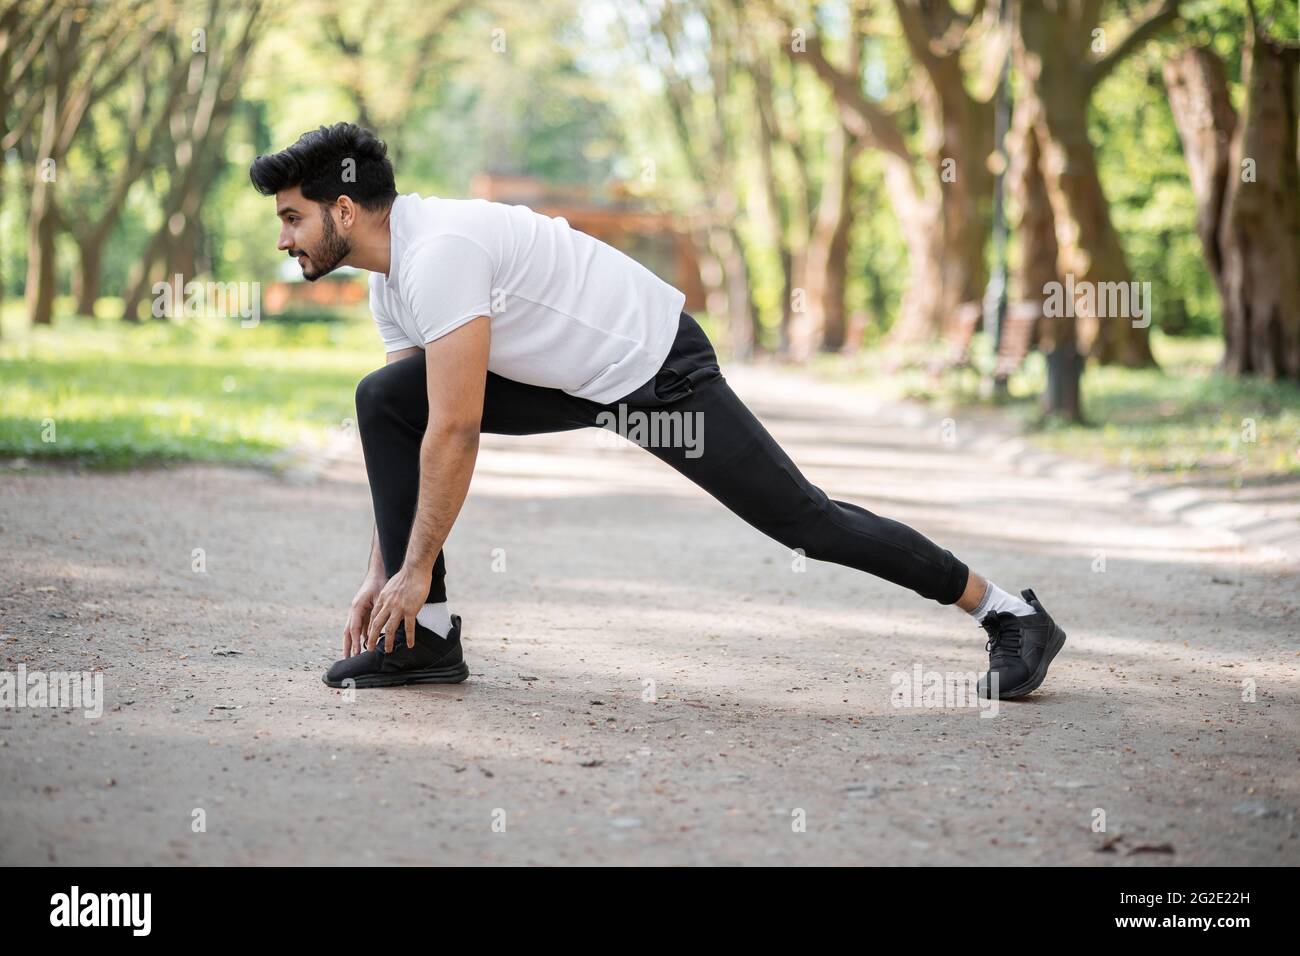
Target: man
pixel 498 319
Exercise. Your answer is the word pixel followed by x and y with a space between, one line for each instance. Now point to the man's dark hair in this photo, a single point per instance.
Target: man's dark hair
pixel 317 164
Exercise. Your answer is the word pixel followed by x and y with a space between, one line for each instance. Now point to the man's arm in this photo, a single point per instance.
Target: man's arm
pixel 456 372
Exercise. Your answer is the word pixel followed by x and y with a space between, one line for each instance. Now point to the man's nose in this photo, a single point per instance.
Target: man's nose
pixel 284 242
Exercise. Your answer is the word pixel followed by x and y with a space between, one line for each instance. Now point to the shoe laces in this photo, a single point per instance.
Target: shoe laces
pixel 1004 636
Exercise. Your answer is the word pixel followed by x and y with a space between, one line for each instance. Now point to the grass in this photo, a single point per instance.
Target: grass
pixel 1184 419
pixel 108 394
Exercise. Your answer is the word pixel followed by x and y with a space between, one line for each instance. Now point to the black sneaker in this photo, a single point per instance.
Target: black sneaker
pixel 1020 649
pixel 433 660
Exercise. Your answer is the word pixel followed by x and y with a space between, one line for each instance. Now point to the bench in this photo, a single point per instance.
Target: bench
pixel 1018 336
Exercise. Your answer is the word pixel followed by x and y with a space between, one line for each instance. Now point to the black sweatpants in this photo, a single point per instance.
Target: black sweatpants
pixel 736 461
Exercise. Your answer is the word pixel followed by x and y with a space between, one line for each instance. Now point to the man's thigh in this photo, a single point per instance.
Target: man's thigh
pixel 514 408
pixel 718 443
pixel 509 407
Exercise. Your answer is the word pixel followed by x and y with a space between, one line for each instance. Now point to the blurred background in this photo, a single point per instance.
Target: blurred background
pixel 892 192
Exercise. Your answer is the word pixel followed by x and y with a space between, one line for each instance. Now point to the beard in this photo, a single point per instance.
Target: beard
pixel 327 256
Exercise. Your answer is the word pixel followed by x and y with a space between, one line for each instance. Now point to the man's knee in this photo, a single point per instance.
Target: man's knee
pixel 381 390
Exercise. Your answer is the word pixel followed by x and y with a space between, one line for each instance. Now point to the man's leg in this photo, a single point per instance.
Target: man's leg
pixel 731 455
pixel 733 458
pixel 742 466
pixel 392 412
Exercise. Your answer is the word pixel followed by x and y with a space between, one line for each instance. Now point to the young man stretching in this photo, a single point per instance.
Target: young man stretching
pixel 498 319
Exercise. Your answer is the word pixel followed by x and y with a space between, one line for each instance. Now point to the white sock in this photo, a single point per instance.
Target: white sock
pixel 996 599
pixel 436 618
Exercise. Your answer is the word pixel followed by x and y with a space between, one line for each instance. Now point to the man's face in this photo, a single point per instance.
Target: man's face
pixel 309 234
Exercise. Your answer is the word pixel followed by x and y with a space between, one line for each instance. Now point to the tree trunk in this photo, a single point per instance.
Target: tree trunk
pixel 70 55
pixel 820 322
pixel 42 223
pixel 778 217
pixel 920 220
pixel 726 286
pixel 1089 248
pixel 967 126
pixel 40 255
pixel 742 317
pixel 712 275
pixel 92 235
pixel 85 281
pixel 834 304
pixel 1198 98
pixel 1246 181
pixel 1260 235
pixel 1034 228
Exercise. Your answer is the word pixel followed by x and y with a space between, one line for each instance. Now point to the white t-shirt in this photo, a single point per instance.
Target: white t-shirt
pixel 567 310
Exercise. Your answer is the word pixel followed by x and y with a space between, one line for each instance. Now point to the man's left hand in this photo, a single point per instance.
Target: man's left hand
pixel 401 599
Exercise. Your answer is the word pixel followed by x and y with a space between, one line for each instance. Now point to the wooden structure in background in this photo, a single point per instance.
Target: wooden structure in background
pixel 651 238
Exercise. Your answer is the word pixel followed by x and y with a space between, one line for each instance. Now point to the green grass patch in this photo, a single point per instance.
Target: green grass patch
pixel 1183 419
pixel 112 394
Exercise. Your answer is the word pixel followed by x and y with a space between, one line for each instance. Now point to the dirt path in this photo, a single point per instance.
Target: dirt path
pixel 772 687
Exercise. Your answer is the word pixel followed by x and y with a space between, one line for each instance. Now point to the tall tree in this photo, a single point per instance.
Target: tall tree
pixel 197 131
pixel 805 169
pixel 787 210
pixel 138 128
pixel 1066 56
pixel 941 188
pixel 86 56
pixel 24 25
pixel 1246 179
pixel 697 65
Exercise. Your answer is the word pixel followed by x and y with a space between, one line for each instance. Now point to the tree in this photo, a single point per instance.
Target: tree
pixel 197 132
pixel 86 56
pixel 941 189
pixel 1246 180
pixel 697 76
pixel 23 29
pixel 806 154
pixel 138 129
pixel 1059 41
pixel 383 83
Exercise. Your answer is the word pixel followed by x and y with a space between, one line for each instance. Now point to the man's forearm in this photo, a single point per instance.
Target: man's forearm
pixel 447 457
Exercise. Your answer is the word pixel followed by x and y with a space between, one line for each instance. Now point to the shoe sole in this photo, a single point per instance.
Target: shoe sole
pixel 451 674
pixel 1040 672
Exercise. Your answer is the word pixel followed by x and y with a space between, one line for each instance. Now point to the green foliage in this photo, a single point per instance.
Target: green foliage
pixel 1144 175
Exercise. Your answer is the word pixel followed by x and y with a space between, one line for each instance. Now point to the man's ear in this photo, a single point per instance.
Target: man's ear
pixel 347 212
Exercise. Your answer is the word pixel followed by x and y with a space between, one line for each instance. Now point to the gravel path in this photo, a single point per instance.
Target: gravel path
pixel 652 681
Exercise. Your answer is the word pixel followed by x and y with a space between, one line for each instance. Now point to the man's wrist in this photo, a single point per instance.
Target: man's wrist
pixel 424 568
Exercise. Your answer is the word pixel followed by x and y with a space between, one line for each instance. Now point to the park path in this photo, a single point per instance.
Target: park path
pixel 770 687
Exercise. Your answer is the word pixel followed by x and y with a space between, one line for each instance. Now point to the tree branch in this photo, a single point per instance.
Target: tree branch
pixel 1160 16
pixel 878 124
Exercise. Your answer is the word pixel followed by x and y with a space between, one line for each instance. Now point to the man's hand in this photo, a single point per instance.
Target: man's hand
pixel 398 603
pixel 354 632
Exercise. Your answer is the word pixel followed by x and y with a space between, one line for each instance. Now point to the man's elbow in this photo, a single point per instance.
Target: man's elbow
pixel 452 432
